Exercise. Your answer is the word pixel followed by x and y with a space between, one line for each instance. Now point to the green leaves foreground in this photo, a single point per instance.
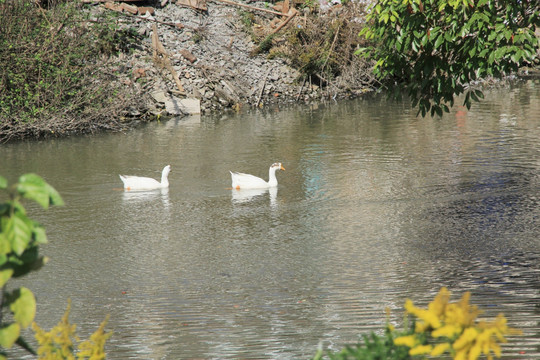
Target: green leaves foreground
pixel 433 49
pixel 20 238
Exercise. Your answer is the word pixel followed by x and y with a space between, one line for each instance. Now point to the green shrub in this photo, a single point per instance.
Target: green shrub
pixel 20 238
pixel 50 65
pixel 433 49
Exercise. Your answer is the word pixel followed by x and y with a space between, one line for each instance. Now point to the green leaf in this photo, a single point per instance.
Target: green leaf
pixel 33 187
pixel 17 233
pixel 439 41
pixel 479 93
pixel 23 306
pixel 32 179
pixel 5 246
pixel 54 196
pixel 39 235
pixel 9 334
pixel 5 275
pixel 3 182
pixel 499 53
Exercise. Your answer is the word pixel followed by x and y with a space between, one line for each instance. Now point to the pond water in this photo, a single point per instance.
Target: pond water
pixel 375 206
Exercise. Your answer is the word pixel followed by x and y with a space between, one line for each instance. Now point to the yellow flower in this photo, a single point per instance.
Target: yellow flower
pixel 420 349
pixel 465 339
pixel 461 354
pixel 448 331
pixel 440 349
pixel 421 327
pixel 409 340
pixel 429 317
pixel 461 313
pixel 94 348
pixel 438 305
pixel 61 342
pixel 457 323
pixel 475 352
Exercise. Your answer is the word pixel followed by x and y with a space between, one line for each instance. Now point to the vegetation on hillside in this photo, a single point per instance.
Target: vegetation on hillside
pixel 60 69
pixel 53 77
pixel 320 45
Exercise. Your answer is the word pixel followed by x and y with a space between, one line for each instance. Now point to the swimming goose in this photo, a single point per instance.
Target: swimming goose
pixel 146 183
pixel 247 181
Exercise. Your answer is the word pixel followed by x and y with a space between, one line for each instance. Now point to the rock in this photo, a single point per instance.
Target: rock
pixel 197 94
pixel 176 106
pixel 160 96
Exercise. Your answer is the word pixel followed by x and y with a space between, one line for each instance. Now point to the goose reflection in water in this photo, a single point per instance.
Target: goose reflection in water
pixel 246 195
pixel 139 196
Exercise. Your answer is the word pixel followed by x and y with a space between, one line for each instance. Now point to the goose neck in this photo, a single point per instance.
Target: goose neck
pixel 272 180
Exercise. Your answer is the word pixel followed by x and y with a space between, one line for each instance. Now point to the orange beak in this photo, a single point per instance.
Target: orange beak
pixel 282 168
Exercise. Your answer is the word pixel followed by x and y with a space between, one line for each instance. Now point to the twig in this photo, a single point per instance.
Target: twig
pixel 294 12
pixel 250 7
pixel 331 49
pixel 300 91
pixel 262 88
pixel 179 26
pixel 158 47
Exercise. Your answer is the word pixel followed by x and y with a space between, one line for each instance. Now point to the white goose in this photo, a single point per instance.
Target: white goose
pixel 146 183
pixel 247 181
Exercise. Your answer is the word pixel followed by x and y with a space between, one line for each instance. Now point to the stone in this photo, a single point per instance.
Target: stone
pixel 160 96
pixel 176 106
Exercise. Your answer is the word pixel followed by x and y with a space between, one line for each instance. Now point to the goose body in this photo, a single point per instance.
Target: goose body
pixel 247 181
pixel 146 183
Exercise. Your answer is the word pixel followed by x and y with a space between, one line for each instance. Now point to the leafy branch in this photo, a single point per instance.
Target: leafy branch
pixel 433 49
pixel 20 238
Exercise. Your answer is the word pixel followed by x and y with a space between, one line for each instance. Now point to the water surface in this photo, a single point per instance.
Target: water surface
pixel 375 206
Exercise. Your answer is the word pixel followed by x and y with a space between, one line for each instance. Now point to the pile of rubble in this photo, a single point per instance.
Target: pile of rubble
pixel 196 58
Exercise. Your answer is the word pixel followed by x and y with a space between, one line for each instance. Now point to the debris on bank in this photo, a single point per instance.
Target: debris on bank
pixel 199 56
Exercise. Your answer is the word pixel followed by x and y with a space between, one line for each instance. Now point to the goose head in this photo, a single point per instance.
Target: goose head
pixel 272 181
pixel 165 175
pixel 277 166
pixel 166 170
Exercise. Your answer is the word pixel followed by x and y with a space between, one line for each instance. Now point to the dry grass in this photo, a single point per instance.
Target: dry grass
pixel 322 47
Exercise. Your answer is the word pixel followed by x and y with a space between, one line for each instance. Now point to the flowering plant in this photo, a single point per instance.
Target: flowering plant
pixel 443 328
pixel 62 343
pixel 453 328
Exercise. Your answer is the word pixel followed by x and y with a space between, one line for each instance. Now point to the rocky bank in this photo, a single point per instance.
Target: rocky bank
pixel 212 55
